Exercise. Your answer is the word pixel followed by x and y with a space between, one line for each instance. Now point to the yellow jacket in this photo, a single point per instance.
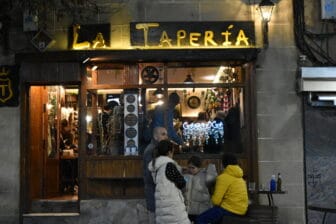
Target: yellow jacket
pixel 231 191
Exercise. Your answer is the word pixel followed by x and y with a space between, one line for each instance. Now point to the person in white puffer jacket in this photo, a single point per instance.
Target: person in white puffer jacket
pixel 169 201
pixel 200 182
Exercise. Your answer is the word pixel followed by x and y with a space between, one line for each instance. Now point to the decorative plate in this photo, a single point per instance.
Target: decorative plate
pixel 131 119
pixel 131 132
pixel 130 98
pixel 194 102
pixel 130 108
pixel 130 143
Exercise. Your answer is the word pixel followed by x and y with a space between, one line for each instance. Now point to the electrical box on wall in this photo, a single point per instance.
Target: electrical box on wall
pixel 30 21
pixel 328 9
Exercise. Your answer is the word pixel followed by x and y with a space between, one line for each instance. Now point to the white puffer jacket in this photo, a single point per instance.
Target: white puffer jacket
pixel 169 201
pixel 197 194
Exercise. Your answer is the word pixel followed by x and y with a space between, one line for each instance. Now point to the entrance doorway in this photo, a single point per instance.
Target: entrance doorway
pixel 52 149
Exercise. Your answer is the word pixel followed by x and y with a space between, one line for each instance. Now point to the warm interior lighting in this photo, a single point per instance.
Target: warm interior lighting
pixel 88 118
pixel 218 74
pixel 49 106
pixel 266 9
pixel 189 79
pixel 94 68
pixel 158 93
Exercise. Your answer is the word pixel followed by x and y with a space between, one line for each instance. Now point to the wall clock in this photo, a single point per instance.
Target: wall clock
pixel 194 102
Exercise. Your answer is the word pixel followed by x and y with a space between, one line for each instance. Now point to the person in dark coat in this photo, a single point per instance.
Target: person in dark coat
pixel 159 133
pixel 233 135
pixel 167 110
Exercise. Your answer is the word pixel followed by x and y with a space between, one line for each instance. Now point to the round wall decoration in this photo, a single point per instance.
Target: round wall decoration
pixel 130 143
pixel 194 102
pixel 130 99
pixel 130 108
pixel 131 132
pixel 150 74
pixel 131 119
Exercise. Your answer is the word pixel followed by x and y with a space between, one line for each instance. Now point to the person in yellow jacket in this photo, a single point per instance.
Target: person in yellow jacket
pixel 230 197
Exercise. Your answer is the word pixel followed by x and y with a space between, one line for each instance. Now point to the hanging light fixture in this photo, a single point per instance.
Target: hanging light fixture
pixel 266 9
pixel 189 79
pixel 158 93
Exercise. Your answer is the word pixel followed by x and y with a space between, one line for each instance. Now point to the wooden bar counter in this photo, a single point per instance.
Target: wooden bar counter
pixel 122 176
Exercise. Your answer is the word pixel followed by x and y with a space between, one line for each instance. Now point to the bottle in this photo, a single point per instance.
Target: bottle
pixel 279 182
pixel 273 184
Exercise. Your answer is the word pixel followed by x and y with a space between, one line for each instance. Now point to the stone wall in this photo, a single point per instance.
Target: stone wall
pixel 9 165
pixel 279 116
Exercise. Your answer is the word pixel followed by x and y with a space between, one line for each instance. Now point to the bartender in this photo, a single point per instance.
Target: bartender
pixel 168 109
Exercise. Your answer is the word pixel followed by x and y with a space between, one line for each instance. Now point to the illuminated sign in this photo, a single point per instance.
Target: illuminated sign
pixel 9 86
pixel 193 34
pixel 86 37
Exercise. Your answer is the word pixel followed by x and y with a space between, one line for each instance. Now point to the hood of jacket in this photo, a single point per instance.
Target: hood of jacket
pixel 234 170
pixel 159 161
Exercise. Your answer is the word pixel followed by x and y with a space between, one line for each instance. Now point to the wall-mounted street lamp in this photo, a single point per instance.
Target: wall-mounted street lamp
pixel 266 9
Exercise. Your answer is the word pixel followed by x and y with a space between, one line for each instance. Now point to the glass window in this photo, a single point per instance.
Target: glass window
pixel 208 117
pixel 105 121
pixel 204 74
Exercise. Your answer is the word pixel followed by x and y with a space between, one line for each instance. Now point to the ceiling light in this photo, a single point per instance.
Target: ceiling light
pixel 86 60
pixel 158 93
pixel 94 68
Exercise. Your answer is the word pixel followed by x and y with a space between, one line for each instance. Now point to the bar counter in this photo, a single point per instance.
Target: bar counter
pixel 122 176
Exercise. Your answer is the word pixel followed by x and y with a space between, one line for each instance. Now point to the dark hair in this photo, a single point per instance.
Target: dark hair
pixel 174 98
pixel 64 122
pixel 110 105
pixel 229 159
pixel 163 148
pixel 202 116
pixel 196 161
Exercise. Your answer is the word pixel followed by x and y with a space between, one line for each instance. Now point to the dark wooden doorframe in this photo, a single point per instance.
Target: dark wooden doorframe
pixel 35 155
pixel 36 166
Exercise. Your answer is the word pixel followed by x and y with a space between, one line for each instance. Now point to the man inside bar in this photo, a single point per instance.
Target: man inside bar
pixel 164 116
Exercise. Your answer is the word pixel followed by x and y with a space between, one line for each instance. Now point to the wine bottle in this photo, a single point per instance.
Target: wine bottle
pixel 279 183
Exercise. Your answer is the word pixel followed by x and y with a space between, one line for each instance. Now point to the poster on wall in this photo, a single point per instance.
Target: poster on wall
pixel 9 86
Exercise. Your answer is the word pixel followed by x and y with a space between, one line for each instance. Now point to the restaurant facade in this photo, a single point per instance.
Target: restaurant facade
pixel 86 92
